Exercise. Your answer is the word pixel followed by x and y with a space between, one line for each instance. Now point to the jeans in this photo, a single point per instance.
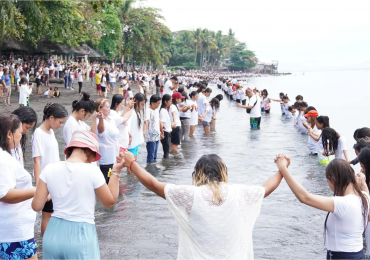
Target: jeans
pixel 158 91
pixel 71 82
pixel 112 84
pixel 92 81
pixel 66 81
pixel 152 148
pixel 166 144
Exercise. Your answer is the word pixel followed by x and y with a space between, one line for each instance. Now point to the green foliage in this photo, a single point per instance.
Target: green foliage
pixel 241 58
pixel 111 31
pixel 206 49
pixel 144 36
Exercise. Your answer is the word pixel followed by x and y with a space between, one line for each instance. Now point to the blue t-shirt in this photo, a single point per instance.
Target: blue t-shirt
pixel 6 79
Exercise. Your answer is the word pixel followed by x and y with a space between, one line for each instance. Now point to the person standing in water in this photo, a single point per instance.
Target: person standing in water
pixel 253 109
pixel 213 210
pixel 348 209
pixel 45 150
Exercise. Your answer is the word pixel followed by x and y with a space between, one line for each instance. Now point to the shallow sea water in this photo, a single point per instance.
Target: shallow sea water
pixel 140 225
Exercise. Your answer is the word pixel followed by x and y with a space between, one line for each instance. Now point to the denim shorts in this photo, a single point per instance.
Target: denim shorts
pixel 18 250
pixel 204 123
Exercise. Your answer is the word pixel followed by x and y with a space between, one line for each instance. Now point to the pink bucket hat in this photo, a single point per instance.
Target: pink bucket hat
pixel 85 139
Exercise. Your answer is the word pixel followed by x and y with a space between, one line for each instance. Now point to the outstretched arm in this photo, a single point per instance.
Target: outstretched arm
pixel 272 183
pixel 143 176
pixel 316 201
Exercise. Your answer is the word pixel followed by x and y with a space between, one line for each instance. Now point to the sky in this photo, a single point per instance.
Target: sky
pixel 309 35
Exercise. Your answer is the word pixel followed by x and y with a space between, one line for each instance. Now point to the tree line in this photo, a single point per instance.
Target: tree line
pixel 117 28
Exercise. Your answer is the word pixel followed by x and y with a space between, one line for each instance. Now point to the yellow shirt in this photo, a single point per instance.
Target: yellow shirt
pixel 97 79
pixel 120 91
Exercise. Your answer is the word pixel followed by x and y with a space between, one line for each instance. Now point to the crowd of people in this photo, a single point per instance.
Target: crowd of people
pixel 167 109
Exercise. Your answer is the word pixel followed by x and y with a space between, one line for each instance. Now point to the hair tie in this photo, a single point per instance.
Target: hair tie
pixel 102 102
pixel 48 105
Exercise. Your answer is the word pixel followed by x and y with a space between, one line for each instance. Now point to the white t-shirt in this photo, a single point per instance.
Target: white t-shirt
pixel 72 187
pixel 204 236
pixel 166 89
pixel 209 114
pixel 103 80
pixel 17 220
pixel 123 137
pixel 17 153
pixel 295 118
pixel 194 114
pixel 164 117
pixel 202 100
pixel 256 110
pixel 312 144
pixel 345 225
pixel 153 131
pixel 71 126
pixel 112 77
pixel 46 146
pixel 24 93
pixel 136 130
pixel 79 77
pixel 108 142
pixel 287 113
pixel 341 147
pixel 46 71
pixel 302 119
pixel 186 114
pixel 175 120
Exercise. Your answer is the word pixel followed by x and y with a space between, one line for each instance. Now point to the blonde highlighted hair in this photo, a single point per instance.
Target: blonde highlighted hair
pixel 212 171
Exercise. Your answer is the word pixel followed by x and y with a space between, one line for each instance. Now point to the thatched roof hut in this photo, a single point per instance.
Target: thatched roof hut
pixel 10 44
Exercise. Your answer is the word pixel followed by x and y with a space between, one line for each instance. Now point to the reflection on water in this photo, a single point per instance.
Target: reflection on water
pixel 141 227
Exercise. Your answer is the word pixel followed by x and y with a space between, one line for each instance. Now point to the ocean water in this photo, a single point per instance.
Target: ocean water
pixel 140 225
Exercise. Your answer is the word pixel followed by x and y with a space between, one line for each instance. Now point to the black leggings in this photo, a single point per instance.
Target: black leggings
pixel 79 87
pixel 166 144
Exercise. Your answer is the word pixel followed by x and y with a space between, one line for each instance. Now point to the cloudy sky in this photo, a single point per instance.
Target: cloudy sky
pixel 301 35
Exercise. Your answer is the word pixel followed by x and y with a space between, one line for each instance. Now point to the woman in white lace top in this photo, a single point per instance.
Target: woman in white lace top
pixel 215 219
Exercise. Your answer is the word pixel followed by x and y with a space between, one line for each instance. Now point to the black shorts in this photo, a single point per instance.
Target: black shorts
pixel 48 207
pixel 176 135
pixel 102 89
pixel 105 170
pixel 267 111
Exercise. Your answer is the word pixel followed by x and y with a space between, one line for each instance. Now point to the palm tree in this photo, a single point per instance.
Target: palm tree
pixel 231 40
pixel 197 36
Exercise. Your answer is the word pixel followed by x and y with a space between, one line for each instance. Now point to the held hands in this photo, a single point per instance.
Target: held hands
pixel 238 105
pixel 124 160
pixel 120 163
pixel 282 160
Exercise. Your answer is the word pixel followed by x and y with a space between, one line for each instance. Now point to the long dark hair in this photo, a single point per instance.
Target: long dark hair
pixel 84 103
pixel 324 120
pixel 139 112
pixel 55 110
pixel 364 158
pixel 165 98
pixel 215 103
pixel 116 100
pixel 341 174
pixel 27 116
pixel 8 122
pixel 329 138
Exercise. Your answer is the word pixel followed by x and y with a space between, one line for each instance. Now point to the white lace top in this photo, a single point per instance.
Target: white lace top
pixel 211 231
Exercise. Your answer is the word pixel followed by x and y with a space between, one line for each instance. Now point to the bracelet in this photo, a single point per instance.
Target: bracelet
pixel 131 165
pixel 117 173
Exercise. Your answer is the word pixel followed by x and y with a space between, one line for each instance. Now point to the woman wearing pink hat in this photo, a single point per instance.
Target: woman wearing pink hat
pixel 73 185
